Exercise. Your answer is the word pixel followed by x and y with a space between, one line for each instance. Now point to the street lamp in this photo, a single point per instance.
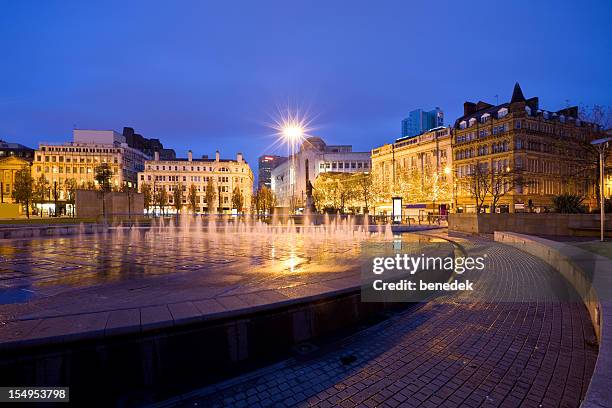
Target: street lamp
pixel 448 171
pixel 602 145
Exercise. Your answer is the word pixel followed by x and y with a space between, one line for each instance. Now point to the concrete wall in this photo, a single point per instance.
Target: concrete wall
pixel 105 137
pixel 534 224
pixel 10 210
pixel 89 204
pixel 161 362
pixel 590 275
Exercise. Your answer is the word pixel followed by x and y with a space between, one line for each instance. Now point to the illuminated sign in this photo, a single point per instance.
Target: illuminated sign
pixel 397 209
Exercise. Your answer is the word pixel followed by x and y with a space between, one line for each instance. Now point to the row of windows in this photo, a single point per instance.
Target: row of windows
pixel 78 149
pixel 498 147
pixel 170 178
pixel 68 170
pixel 62 159
pixel 484 118
pixel 202 189
pixel 192 168
pixel 343 165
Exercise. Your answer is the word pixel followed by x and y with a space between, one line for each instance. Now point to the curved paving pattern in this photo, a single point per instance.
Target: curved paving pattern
pixel 470 350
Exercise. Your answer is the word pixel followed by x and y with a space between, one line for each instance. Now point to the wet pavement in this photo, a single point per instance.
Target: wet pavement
pixel 469 350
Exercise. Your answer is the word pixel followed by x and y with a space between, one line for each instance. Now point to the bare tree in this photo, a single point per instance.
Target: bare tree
pixel 70 186
pixel 478 183
pixel 161 197
pixel 103 175
pixel 41 188
pixel 502 182
pixel 237 199
pixel 192 198
pixel 23 190
pixel 210 195
pixel 147 195
pixel 177 197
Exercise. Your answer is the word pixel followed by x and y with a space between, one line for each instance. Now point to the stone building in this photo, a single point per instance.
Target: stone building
pixel 9 166
pixel 290 178
pixel 536 154
pixel 225 175
pixel 418 169
pixel 77 160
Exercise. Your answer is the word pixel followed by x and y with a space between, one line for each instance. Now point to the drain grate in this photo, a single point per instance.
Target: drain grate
pixel 304 348
pixel 346 360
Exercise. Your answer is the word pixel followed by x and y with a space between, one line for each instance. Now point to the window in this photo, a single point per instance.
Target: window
pixel 484 118
pixel 472 121
pixel 462 124
pixel 528 110
pixel 502 113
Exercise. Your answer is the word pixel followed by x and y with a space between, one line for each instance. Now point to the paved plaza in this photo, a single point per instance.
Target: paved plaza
pixel 468 350
pixel 521 339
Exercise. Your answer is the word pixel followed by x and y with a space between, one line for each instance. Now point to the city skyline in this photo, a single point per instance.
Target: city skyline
pixel 195 94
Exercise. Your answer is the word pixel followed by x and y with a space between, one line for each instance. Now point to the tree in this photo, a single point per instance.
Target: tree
pixel 177 197
pixel 478 184
pixel 147 195
pixel 364 189
pixel 256 202
pixel 23 190
pixel 333 191
pixel 192 198
pixel 70 186
pixel 129 193
pixel 502 182
pixel 41 189
pixel 237 199
pixel 568 203
pixel 210 195
pixel 161 198
pixel 263 201
pixel 103 175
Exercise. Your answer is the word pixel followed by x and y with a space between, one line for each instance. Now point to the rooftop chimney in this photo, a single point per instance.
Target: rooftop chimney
pixel 156 155
pixel 217 155
pixel 190 155
pixel 239 157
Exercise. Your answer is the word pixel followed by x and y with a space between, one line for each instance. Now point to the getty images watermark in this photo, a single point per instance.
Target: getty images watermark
pixel 410 277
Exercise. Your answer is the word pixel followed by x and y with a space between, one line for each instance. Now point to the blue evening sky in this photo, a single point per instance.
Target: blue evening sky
pixel 209 75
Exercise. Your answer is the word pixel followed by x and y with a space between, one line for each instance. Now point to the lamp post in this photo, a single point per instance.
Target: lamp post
pixel 449 171
pixel 602 146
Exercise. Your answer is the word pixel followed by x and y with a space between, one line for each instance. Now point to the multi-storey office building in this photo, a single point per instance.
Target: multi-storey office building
pixel 8 149
pixel 266 164
pixel 78 160
pixel 290 178
pixel 418 169
pixel 420 121
pixel 544 153
pixel 223 174
pixel 147 146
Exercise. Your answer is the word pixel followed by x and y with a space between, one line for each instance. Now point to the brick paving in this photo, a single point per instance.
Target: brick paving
pixel 467 350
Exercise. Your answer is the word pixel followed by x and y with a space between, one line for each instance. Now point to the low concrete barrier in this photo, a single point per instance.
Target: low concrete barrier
pixel 529 223
pixel 44 231
pixel 591 275
pixel 157 352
